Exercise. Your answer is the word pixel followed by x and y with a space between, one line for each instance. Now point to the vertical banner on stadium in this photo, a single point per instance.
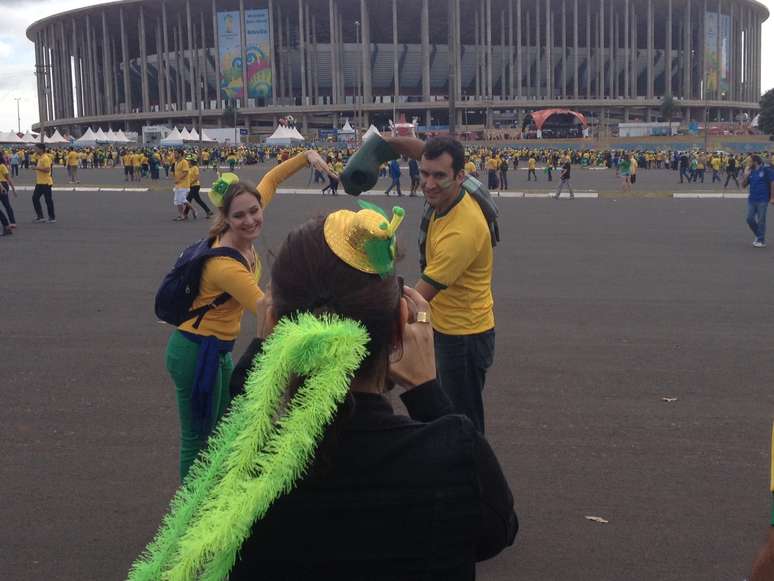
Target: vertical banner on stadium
pixel 229 36
pixel 725 56
pixel 259 81
pixel 711 55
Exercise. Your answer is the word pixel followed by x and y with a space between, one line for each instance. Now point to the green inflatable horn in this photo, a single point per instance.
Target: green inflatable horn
pixel 362 170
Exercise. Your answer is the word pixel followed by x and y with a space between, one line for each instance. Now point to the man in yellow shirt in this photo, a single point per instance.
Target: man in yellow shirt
pixel 531 167
pixel 126 161
pixel 44 182
pixel 73 159
pixel 182 184
pixel 456 259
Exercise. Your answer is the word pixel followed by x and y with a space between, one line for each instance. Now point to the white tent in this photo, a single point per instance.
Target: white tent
pixel 121 138
pixel 111 136
pixel 29 138
pixel 185 134
pixel 371 132
pixel 88 139
pixel 9 137
pixel 101 136
pixel 206 138
pixel 55 139
pixel 284 136
pixel 347 129
pixel 193 135
pixel 174 138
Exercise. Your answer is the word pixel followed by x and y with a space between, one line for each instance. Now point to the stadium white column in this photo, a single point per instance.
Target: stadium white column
pixel 635 72
pixel 576 49
pixel 612 77
pixel 107 65
pixel 538 52
pixel 503 63
pixel 564 49
pixel 600 50
pixel 511 81
pixel 365 31
pixel 588 49
pixel 315 61
pixel 144 62
pixel 528 50
pixel 519 56
pixel 310 58
pixel 243 43
pixel 668 64
pixel 650 49
pixel 165 39
pixel 626 60
pixel 458 55
pixel 549 47
pixel 91 73
pixel 477 53
pixel 160 74
pixel 272 56
pixel 425 32
pixel 78 105
pixel 205 63
pixel 301 50
pixel 489 88
pixel 216 45
pixel 179 78
pixel 194 92
pixel 687 50
pixel 395 63
pixel 332 46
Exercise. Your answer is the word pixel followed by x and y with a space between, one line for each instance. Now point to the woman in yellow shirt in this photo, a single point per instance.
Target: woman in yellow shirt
pixel 193 190
pixel 199 351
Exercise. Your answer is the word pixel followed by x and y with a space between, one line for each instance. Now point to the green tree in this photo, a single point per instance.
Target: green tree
pixel 667 108
pixel 766 119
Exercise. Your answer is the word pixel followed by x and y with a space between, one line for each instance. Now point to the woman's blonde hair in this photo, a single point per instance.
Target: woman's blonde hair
pixel 220 226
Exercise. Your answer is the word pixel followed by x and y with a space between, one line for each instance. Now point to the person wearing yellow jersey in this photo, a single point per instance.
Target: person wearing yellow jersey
pixel 6 186
pixel 182 184
pixel 456 261
pixel 193 191
pixel 531 167
pixel 44 182
pixel 492 166
pixel 126 161
pixel 137 166
pixel 470 168
pixel 73 160
pixel 716 163
pixel 199 355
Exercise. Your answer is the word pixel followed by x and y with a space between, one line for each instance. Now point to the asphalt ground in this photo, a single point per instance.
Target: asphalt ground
pixel 653 182
pixel 603 308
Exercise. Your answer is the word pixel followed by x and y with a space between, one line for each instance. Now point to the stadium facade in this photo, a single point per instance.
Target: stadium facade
pixel 136 62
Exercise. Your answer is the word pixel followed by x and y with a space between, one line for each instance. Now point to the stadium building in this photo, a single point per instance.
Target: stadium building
pixel 132 63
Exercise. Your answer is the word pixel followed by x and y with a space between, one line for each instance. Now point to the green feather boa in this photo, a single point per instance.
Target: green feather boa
pixel 254 457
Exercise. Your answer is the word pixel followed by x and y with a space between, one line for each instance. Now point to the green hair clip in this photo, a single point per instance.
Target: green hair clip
pixel 220 188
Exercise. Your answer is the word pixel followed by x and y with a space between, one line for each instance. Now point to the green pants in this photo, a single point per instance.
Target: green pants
pixel 181 364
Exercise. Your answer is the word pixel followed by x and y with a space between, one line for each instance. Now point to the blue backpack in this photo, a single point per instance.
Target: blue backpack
pixel 180 286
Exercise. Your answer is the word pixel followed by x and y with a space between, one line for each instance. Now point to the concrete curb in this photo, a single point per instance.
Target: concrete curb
pixel 708 196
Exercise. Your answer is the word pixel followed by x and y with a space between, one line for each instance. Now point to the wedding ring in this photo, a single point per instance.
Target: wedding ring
pixel 422 317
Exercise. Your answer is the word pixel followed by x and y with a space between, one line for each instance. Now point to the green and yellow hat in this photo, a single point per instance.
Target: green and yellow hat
pixel 220 188
pixel 366 239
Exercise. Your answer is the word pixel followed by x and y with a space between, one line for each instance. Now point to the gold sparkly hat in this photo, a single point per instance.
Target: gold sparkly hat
pixel 365 240
pixel 220 187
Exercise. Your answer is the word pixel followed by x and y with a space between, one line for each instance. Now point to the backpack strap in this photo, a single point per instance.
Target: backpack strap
pixel 223 298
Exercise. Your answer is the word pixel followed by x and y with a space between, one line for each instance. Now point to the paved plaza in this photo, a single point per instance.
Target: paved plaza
pixel 604 308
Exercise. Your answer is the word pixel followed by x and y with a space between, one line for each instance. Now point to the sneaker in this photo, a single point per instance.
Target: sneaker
pixel 759 244
pixel 39 220
pixel 52 221
pixel 6 231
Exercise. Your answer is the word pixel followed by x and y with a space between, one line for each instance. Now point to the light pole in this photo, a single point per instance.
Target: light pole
pixel 356 98
pixel 18 112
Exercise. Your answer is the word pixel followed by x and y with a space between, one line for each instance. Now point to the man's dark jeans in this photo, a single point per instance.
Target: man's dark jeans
pixel 462 362
pixel 45 191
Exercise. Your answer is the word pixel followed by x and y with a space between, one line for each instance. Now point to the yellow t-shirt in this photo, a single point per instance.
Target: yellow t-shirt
pixel 182 174
pixel 470 168
pixel 73 158
pixel 42 177
pixel 193 176
pixel 127 160
pixel 3 173
pixel 223 274
pixel 137 160
pixel 531 163
pixel 493 164
pixel 459 264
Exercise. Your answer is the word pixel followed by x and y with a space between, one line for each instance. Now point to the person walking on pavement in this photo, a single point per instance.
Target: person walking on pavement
pixel 44 183
pixel 732 171
pixel 760 178
pixel 414 175
pixel 394 168
pixel 531 167
pixel 6 187
pixel 564 179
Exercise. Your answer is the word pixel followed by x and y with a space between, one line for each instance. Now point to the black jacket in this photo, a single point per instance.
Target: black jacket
pixel 419 498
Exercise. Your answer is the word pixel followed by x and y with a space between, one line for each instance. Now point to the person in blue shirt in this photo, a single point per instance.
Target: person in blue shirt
pixel 394 168
pixel 760 178
pixel 414 175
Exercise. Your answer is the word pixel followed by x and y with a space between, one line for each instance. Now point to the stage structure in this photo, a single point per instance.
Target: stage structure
pixel 211 63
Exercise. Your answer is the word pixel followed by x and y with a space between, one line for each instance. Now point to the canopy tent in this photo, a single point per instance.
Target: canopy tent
pixel 185 135
pixel 347 128
pixel 88 139
pixel 371 132
pixel 285 136
pixel 121 137
pixel 193 135
pixel 101 136
pixel 10 137
pixel 29 138
pixel 111 136
pixel 55 139
pixel 206 138
pixel 173 138
pixel 555 123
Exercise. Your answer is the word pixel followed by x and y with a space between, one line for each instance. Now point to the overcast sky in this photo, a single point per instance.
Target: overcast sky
pixel 17 57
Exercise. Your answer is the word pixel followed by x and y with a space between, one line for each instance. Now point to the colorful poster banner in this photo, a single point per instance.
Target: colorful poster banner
pixel 716 62
pixel 258 52
pixel 229 36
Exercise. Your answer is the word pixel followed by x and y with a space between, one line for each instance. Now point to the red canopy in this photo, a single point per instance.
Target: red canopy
pixel 540 117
